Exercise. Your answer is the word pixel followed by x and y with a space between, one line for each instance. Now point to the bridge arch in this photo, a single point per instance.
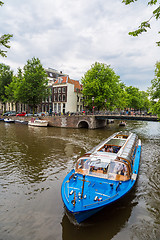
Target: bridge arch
pixel 83 124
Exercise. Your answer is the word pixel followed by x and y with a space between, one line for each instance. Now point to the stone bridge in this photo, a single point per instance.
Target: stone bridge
pixel 77 121
pixel 91 121
pixel 87 121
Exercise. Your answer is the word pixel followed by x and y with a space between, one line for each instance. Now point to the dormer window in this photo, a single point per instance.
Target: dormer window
pixel 60 80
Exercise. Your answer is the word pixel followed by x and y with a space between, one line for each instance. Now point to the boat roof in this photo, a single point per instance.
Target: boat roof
pixel 127 150
pixel 116 141
pixel 125 140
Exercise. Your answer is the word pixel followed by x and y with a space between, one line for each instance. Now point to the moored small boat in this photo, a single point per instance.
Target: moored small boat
pixel 38 123
pixel 102 176
pixel 122 124
pixel 21 122
pixel 8 120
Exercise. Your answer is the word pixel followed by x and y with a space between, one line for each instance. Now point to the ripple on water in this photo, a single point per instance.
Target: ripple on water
pixel 33 165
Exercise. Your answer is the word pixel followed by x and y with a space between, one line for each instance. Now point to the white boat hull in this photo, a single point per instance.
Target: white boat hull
pixel 7 120
pixel 38 123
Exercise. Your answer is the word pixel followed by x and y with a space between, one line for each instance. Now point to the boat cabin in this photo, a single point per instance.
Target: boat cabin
pixel 112 159
pixel 113 145
pixel 114 170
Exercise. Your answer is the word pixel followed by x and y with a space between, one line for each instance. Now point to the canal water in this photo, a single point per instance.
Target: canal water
pixel 33 163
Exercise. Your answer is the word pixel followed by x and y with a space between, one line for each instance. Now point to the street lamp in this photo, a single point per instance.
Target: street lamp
pixel 93 104
pixel 105 105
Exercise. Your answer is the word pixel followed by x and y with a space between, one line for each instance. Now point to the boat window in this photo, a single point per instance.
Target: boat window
pixel 83 163
pixel 109 148
pixel 117 168
pixel 116 142
pixel 121 136
pixel 98 167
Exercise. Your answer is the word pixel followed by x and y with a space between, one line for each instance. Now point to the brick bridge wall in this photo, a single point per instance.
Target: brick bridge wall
pixel 76 122
pixel 82 121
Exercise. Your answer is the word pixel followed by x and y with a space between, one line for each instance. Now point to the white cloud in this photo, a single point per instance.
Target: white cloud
pixel 71 35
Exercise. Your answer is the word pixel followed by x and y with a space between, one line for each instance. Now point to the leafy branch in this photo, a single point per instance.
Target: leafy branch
pixel 4 40
pixel 145 25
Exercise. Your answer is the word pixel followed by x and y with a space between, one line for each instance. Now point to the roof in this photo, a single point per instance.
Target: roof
pixel 129 146
pixel 66 79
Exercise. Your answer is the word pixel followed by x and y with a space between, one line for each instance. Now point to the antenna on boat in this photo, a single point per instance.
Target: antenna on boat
pixel 83 186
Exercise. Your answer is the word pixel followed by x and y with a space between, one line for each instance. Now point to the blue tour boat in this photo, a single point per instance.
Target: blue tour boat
pixel 102 176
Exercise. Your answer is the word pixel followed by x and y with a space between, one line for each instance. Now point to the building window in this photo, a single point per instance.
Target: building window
pixel 59 90
pixel 55 107
pixel 55 90
pixel 50 98
pixel 59 98
pixel 63 97
pixel 63 89
pixel 60 80
pixel 59 107
pixel 64 107
pixel 55 98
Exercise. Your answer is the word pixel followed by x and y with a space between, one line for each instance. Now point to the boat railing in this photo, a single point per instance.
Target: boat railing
pixel 107 199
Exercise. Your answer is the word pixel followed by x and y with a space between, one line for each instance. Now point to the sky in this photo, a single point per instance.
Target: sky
pixel 71 35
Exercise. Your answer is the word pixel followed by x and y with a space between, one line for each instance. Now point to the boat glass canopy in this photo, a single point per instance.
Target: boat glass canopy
pixel 118 171
pixel 115 170
pixel 116 142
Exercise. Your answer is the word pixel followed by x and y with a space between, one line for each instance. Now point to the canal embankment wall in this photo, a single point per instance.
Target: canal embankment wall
pixel 83 121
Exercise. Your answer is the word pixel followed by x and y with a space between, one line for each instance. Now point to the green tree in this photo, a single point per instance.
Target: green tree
pixel 144 99
pixel 6 75
pixel 12 89
pixel 144 26
pixel 133 98
pixel 4 40
pixel 103 85
pixel 154 90
pixel 31 86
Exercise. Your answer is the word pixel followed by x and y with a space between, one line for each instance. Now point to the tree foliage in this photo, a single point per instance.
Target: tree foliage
pixel 12 89
pixel 144 26
pixel 4 40
pixel 30 87
pixel 145 102
pixel 154 90
pixel 133 98
pixel 137 99
pixel 103 85
pixel 6 75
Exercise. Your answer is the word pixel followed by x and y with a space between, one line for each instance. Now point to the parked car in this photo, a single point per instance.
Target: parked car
pixel 41 114
pixel 22 114
pixel 29 114
pixel 6 113
pixel 12 113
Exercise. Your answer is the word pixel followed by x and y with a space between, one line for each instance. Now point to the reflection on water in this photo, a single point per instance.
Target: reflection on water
pixel 104 225
pixel 33 163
